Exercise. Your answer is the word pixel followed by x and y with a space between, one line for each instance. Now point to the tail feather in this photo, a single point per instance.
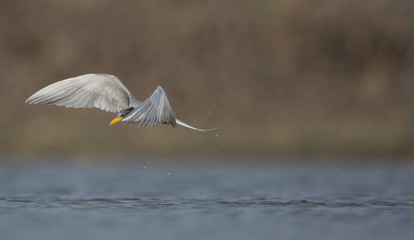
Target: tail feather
pixel 191 127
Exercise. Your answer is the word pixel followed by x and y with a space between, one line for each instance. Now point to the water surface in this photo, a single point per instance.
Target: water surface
pixel 137 201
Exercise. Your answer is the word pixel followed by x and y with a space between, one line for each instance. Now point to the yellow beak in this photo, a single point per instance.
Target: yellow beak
pixel 117 119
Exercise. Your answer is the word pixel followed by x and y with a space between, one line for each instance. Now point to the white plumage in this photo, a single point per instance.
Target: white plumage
pixel 108 93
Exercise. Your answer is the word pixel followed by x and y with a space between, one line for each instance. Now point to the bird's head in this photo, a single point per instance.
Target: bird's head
pixel 121 115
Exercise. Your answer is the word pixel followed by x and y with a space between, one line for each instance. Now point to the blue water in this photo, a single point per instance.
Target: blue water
pixel 185 201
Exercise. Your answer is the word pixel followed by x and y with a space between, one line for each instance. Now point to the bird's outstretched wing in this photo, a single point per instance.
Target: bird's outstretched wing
pixel 156 109
pixel 86 91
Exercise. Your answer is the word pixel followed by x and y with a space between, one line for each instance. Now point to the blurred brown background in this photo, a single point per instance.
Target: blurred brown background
pixel 283 78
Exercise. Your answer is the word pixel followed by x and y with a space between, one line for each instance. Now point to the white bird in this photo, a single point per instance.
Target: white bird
pixel 108 93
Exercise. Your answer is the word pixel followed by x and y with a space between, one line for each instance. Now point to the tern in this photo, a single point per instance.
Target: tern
pixel 106 92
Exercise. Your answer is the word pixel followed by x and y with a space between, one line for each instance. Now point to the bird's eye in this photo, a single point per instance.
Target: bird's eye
pixel 125 112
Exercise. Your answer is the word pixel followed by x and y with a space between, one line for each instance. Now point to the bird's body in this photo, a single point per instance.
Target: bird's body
pixel 108 93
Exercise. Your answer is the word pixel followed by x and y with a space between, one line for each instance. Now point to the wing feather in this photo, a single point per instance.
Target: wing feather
pixel 156 109
pixel 86 91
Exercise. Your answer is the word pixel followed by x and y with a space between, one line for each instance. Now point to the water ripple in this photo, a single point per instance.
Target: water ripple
pixel 193 203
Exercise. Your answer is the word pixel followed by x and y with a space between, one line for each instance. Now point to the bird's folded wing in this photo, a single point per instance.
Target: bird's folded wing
pixel 87 91
pixel 156 109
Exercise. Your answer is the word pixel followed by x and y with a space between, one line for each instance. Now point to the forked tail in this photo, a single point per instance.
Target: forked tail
pixel 191 127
